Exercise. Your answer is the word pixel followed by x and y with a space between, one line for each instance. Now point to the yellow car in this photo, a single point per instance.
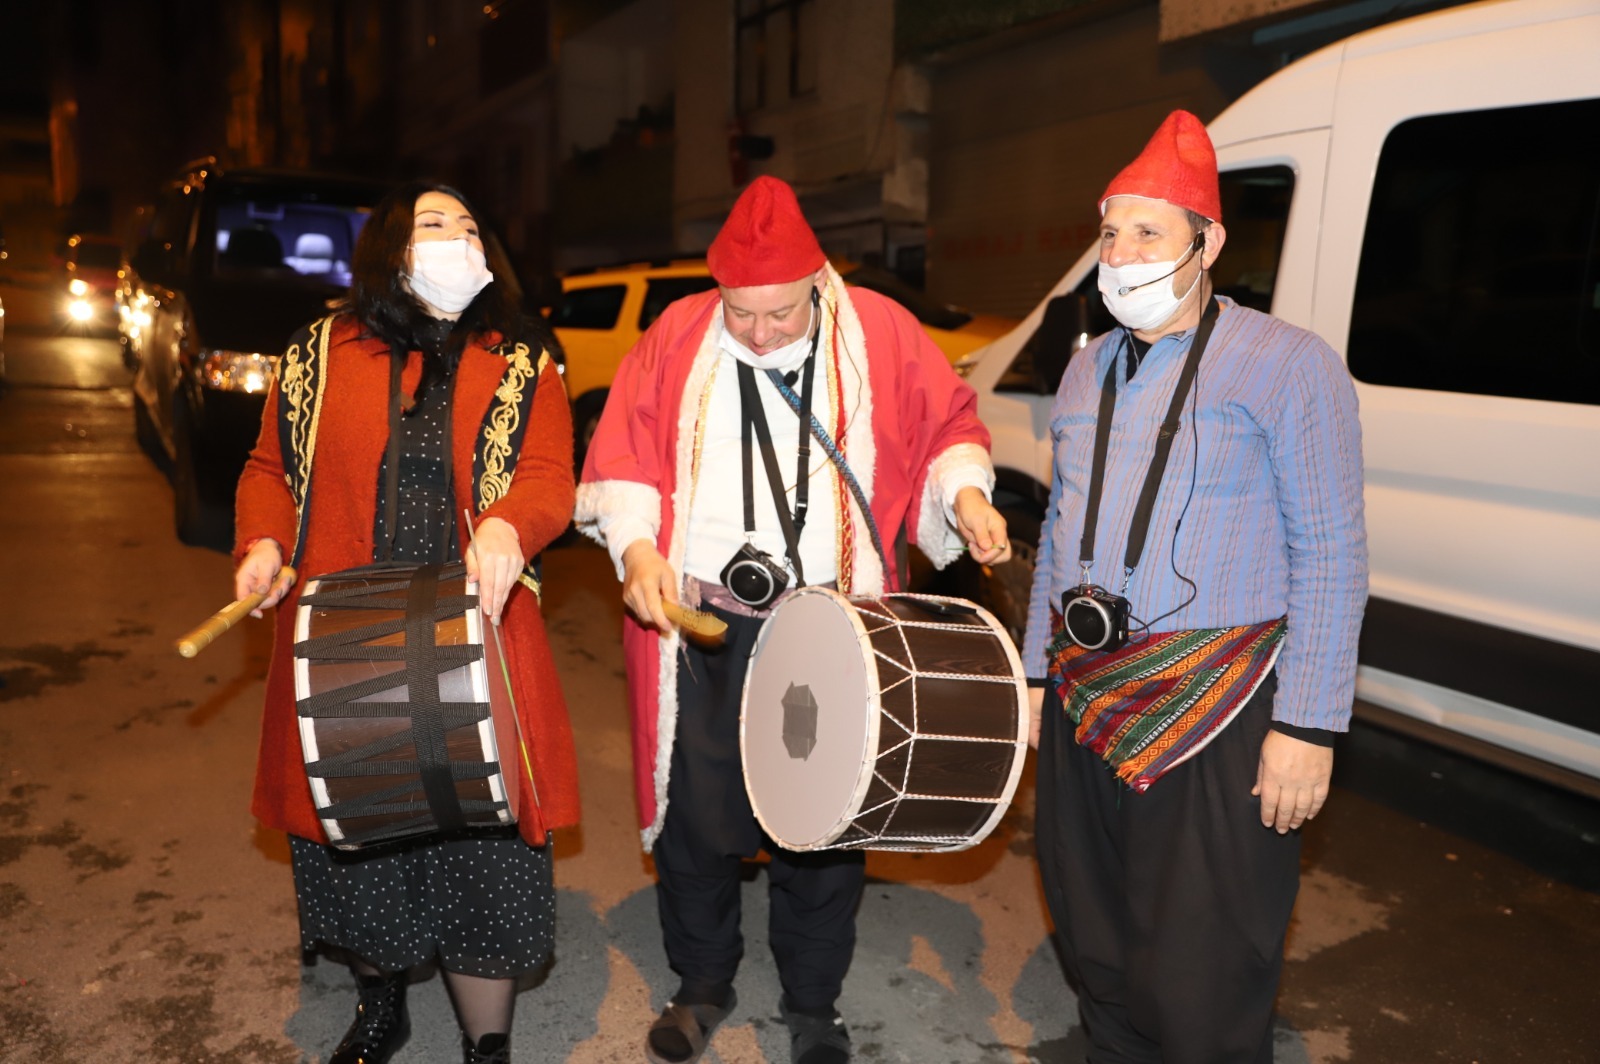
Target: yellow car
pixel 604 312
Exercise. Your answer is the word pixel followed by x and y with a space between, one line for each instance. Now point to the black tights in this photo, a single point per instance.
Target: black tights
pixel 483 1006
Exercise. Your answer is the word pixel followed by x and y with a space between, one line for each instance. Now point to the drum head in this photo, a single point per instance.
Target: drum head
pixel 809 718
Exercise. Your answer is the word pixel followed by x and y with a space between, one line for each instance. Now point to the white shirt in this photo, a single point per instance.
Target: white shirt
pixel 716 515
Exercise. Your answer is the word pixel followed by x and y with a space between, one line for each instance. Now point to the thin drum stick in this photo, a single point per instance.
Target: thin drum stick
pixel 226 618
pixel 505 673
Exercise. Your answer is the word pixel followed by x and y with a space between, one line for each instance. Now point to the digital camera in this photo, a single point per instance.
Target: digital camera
pixel 752 577
pixel 1094 618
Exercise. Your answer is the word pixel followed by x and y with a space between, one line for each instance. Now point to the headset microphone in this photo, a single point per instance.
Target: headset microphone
pixel 1196 244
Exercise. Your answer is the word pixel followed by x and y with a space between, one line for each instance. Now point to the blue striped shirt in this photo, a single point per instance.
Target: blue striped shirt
pixel 1275 527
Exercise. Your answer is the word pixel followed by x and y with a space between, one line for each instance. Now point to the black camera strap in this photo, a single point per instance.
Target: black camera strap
pixel 1140 528
pixel 752 415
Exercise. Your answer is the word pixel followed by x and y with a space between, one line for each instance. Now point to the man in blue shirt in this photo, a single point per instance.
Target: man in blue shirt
pixel 1196 605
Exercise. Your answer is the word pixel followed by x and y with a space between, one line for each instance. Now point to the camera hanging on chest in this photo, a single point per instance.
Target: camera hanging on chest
pixel 752 575
pixel 1093 617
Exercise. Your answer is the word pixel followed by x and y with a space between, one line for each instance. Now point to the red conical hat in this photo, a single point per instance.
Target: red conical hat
pixel 765 240
pixel 1179 165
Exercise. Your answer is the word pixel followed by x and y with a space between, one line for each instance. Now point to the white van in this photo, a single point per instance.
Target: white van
pixel 1426 197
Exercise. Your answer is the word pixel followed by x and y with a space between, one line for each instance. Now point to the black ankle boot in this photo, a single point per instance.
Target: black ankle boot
pixel 491 1049
pixel 382 1024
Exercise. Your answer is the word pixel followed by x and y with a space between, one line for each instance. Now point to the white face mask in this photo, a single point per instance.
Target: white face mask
pixel 448 274
pixel 1136 294
pixel 782 359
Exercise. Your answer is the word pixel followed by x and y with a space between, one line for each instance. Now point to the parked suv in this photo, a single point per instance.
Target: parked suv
pixel 230 264
pixel 601 316
pixel 604 312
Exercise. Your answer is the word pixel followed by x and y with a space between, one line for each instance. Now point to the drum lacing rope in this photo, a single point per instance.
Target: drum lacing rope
pixel 910 673
pixel 431 718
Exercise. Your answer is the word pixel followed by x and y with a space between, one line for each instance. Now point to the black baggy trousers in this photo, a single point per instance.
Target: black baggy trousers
pixel 709 830
pixel 1170 906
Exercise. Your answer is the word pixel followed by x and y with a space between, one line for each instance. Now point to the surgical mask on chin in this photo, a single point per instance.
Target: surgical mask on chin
pixel 448 274
pixel 1137 295
pixel 781 359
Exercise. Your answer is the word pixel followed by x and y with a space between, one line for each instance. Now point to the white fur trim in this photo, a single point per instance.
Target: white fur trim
pixel 694 387
pixel 860 445
pixel 936 535
pixel 604 499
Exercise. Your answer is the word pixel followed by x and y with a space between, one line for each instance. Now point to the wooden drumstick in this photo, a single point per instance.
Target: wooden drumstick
pixel 226 618
pixel 695 622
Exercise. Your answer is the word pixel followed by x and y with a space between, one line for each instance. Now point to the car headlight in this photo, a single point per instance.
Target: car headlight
pixel 78 286
pixel 236 371
pixel 80 310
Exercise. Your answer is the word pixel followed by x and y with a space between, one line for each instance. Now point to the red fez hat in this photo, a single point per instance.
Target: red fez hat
pixel 1179 165
pixel 765 240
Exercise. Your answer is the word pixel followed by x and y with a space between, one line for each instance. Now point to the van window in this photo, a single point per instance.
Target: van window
pixel 1255 212
pixel 287 234
pixel 1480 268
pixel 662 292
pixel 589 308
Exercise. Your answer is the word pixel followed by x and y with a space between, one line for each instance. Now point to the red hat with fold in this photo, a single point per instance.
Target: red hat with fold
pixel 765 240
pixel 1179 165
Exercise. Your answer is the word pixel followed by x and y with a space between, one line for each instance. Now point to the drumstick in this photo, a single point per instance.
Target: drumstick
pixel 225 618
pixel 696 622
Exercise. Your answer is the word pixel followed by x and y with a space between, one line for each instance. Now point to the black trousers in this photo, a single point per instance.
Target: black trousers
pixel 1170 906
pixel 709 830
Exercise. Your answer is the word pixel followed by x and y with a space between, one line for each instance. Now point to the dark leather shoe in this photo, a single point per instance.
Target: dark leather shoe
pixel 382 1023
pixel 491 1049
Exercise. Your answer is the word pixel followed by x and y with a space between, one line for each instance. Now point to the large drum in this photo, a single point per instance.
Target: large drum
pixel 893 723
pixel 406 718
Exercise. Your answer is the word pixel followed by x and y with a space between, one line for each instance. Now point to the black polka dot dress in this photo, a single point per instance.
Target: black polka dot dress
pixel 481 903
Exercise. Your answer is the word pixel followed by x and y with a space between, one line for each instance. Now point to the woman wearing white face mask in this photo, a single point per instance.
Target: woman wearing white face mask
pixel 424 394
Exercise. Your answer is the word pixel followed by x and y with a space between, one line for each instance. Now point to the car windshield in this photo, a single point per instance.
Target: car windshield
pixel 293 233
pixel 98 256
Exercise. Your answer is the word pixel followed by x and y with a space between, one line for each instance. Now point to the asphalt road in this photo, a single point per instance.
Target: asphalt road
pixel 1446 913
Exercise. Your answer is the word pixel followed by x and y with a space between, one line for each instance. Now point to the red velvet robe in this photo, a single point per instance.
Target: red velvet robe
pixel 353 433
pixel 910 418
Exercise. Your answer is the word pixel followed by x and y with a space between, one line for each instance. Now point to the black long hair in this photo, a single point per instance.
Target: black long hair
pixel 385 307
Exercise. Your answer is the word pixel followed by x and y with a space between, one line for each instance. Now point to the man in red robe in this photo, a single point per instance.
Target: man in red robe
pixel 894 446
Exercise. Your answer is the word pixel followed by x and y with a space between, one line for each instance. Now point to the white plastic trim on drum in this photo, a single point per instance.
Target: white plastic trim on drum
pixel 835 635
pixel 308 730
pixel 480 694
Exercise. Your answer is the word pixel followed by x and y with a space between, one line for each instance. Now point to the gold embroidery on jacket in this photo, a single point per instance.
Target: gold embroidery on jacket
pixel 504 418
pixel 301 375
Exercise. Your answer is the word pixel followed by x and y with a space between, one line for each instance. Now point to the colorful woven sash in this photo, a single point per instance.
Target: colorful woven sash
pixel 1151 705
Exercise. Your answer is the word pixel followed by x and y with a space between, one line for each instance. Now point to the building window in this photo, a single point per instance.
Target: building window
pixel 775 51
pixel 1480 269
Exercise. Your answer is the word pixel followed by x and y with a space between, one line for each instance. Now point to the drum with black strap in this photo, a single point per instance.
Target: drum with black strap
pixel 892 723
pixel 406 718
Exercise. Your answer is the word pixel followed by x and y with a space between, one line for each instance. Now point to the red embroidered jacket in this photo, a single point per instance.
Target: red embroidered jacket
pixel 351 433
